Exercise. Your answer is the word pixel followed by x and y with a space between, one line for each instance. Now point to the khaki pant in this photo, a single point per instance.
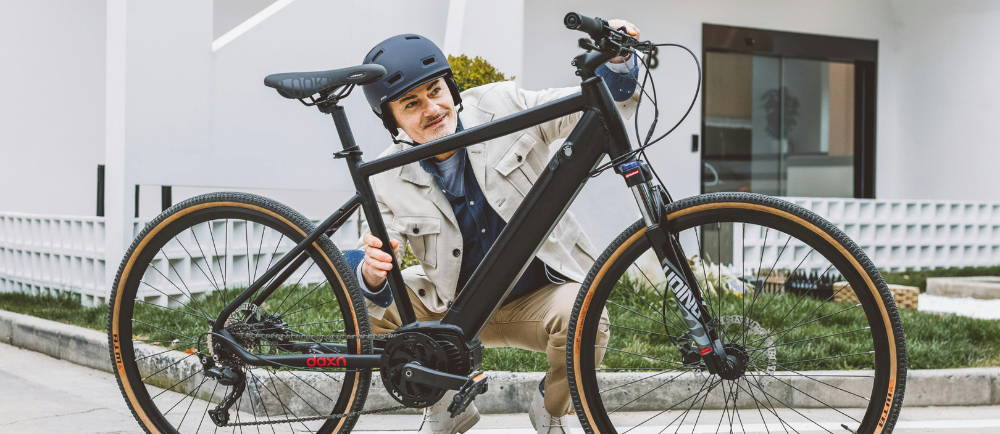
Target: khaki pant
pixel 537 321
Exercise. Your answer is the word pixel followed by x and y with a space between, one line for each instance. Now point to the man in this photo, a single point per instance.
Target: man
pixel 451 208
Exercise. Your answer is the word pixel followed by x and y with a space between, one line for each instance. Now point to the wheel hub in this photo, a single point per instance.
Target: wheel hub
pixel 736 362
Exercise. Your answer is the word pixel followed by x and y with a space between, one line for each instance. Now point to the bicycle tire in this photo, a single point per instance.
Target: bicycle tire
pixel 887 352
pixel 131 315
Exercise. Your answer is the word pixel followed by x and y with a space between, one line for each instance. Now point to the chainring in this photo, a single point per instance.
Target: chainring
pixel 412 347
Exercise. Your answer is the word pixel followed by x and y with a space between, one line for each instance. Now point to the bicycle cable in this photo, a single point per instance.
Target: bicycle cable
pixel 649 141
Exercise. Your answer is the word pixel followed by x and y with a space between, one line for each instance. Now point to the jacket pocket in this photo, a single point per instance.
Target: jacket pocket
pixel 422 234
pixel 514 165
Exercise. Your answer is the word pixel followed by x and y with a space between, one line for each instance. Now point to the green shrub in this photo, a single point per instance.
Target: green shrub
pixel 473 72
pixel 918 278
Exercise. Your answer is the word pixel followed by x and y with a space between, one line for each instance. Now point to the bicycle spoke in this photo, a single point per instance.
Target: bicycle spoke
pixel 782 344
pixel 175 385
pixel 193 399
pixel 672 338
pixel 782 333
pixel 173 310
pixel 208 260
pixel 793 409
pixel 191 259
pixel 208 403
pixel 681 365
pixel 695 395
pixel 768 302
pixel 634 381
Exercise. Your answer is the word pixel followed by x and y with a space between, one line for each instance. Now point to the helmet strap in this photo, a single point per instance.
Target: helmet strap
pixel 397 141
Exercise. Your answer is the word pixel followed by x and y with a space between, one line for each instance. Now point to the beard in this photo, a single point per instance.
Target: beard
pixel 446 127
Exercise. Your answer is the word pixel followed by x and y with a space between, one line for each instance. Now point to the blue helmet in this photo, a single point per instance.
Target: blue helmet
pixel 409 60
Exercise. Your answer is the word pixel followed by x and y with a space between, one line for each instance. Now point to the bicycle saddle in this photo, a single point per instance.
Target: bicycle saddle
pixel 298 85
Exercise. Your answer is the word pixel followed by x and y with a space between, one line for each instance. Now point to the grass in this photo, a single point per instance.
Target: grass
pixel 933 341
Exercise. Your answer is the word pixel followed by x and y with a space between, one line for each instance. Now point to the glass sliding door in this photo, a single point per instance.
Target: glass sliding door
pixel 786 126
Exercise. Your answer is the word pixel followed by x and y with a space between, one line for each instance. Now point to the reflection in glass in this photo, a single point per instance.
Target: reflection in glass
pixel 778 126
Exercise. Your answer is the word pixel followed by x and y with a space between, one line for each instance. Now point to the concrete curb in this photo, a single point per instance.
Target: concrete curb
pixel 510 392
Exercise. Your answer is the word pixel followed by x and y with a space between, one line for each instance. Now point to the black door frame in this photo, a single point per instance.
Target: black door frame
pixel 863 53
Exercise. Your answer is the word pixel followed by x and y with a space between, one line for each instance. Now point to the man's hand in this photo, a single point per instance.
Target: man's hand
pixel 377 263
pixel 630 28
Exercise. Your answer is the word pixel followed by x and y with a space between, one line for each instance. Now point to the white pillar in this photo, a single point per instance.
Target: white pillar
pixel 117 227
pixel 158 105
pixel 454 27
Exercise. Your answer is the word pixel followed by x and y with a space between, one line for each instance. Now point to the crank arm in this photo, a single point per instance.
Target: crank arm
pixel 417 373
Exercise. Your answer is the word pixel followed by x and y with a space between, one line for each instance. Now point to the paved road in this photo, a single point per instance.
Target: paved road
pixel 40 394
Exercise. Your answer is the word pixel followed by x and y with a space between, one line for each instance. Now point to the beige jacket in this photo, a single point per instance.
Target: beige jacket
pixel 415 210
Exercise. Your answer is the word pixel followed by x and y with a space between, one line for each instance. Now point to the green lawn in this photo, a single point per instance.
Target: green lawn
pixel 934 341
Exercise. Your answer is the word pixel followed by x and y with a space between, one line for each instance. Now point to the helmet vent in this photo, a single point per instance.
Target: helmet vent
pixel 395 78
pixel 376 56
pixel 412 37
pixel 428 60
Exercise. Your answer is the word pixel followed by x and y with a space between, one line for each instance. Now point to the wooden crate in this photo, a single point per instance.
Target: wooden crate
pixel 905 296
pixel 775 283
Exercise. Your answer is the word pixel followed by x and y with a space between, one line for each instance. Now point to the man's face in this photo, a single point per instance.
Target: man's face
pixel 427 112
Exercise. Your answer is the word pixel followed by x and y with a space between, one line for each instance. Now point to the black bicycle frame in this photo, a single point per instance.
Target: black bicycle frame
pixel 599 132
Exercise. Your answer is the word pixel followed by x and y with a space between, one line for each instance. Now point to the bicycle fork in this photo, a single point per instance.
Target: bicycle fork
pixel 680 279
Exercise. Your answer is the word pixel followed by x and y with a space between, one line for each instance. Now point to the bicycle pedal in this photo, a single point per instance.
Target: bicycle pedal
pixel 476 385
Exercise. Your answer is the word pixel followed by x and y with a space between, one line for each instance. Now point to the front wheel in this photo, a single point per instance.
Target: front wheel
pixel 800 305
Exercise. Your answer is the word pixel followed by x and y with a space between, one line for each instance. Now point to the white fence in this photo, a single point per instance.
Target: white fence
pixel 42 254
pixel 61 255
pixel 901 234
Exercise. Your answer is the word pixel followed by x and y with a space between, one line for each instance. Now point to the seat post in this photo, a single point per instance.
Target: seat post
pixel 343 128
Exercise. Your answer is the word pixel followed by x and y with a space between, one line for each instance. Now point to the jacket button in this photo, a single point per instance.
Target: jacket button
pixel 456 253
pixel 421 292
pixel 519 158
pixel 416 230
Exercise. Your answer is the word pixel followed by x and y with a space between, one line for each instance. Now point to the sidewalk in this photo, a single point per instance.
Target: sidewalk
pixel 40 394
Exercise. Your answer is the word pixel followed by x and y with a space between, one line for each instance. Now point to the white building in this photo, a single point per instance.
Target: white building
pixel 171 94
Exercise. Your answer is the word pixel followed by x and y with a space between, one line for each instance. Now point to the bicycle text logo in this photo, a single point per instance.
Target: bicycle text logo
pixel 313 362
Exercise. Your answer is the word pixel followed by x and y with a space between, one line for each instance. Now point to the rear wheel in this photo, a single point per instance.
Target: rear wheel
pixel 182 270
pixel 790 295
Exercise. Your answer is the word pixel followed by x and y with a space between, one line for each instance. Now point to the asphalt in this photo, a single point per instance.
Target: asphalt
pixel 41 394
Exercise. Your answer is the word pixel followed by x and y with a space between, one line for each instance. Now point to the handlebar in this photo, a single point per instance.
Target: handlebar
pixel 597 28
pixel 612 41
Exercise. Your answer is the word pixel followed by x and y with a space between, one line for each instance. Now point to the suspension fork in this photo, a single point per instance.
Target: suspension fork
pixel 681 281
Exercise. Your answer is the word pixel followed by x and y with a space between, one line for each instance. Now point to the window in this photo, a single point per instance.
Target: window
pixel 788 114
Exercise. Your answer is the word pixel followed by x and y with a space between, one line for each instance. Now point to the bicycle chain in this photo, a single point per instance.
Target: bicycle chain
pixel 314 339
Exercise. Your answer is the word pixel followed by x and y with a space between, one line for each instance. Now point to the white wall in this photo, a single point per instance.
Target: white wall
pixel 949 100
pixel 52 109
pixel 261 140
pixel 495 32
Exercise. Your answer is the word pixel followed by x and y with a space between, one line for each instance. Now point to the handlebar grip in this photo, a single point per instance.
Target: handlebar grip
pixel 596 27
